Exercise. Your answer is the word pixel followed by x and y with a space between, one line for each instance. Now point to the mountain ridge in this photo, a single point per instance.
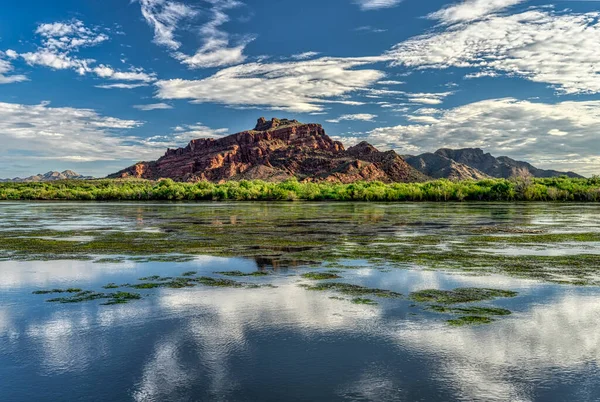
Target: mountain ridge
pixel 276 150
pixel 49 176
pixel 474 163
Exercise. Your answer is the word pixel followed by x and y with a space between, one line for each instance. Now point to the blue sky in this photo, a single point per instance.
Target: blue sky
pixel 94 86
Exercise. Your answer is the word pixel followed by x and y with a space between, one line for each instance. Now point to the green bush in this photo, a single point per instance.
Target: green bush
pixel 520 189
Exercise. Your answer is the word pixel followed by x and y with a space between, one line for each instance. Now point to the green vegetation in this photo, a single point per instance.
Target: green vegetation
pixel 189 273
pixel 240 273
pixel 154 278
pixel 459 295
pixel 360 300
pixel 319 276
pixel 351 290
pixel 551 189
pixel 166 282
pixel 469 320
pixel 89 295
pixel 221 283
pixel 111 286
pixel 109 260
pixel 473 310
pixel 45 292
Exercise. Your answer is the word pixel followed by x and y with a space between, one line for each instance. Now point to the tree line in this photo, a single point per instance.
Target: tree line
pixel 515 189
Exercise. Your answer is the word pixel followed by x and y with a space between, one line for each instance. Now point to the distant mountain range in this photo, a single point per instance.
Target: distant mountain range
pixel 50 176
pixel 279 149
pixel 473 163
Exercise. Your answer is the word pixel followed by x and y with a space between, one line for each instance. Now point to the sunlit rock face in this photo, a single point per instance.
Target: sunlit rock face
pixel 275 150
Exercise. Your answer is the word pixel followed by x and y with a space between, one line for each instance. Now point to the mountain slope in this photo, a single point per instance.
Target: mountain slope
pixel 50 176
pixel 440 167
pixel 276 150
pixel 474 163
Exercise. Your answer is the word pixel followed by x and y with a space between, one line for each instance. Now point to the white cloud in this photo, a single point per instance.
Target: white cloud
pixel 541 133
pixel 11 54
pixel 215 53
pixel 153 106
pixel 539 45
pixel 470 10
pixel 216 50
pixel 56 135
pixel 64 133
pixel 60 40
pixel 181 135
pixel 305 55
pixel 121 85
pixel 164 16
pixel 391 82
pixel 70 35
pixel 368 28
pixel 302 86
pixel 427 98
pixel 6 67
pixel 359 116
pixel 377 4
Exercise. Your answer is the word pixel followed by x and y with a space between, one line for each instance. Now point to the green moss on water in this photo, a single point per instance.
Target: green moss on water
pixel 351 290
pixel 545 239
pixel 459 295
pixel 218 282
pixel 277 237
pixel 50 291
pixel 472 310
pixel 111 286
pixel 319 276
pixel 189 273
pixel 240 273
pixel 148 285
pixel 83 296
pixel 482 311
pixel 150 278
pixel 469 320
pixel 109 261
pixel 360 300
pixel 173 283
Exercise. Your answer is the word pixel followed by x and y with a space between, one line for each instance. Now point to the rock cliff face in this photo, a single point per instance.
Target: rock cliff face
pixel 473 163
pixel 275 150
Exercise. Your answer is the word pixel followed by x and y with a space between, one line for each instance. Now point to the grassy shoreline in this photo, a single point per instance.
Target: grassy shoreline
pixel 552 189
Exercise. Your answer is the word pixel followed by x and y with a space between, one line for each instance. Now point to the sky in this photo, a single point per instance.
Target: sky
pixel 95 86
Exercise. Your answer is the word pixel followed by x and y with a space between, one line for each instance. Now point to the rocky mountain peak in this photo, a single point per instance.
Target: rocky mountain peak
pixel 362 148
pixel 265 125
pixel 275 150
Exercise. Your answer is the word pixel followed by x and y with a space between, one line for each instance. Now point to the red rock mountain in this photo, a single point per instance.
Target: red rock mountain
pixel 276 150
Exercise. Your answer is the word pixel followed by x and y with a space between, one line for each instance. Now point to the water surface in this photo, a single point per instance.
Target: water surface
pixel 285 342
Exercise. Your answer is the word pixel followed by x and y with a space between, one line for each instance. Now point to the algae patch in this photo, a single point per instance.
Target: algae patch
pixel 352 290
pixel 360 300
pixel 240 273
pixel 459 295
pixel 469 320
pixel 320 276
